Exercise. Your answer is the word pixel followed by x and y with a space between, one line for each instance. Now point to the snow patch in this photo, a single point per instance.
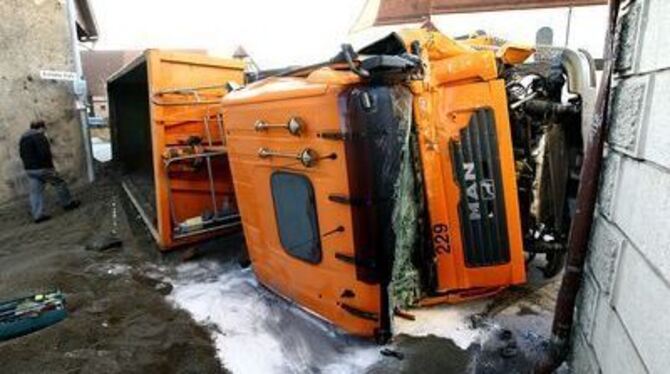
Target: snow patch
pixel 109 268
pixel 257 332
pixel 445 321
pixel 102 150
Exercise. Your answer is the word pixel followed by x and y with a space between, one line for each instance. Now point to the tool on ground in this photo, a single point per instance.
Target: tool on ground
pixel 28 314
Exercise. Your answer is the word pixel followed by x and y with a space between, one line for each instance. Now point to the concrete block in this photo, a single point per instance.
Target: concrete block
pixel 605 246
pixel 628 37
pixel 582 358
pixel 642 208
pixel 586 305
pixel 614 350
pixel 608 182
pixel 654 53
pixel 657 134
pixel 629 100
pixel 642 300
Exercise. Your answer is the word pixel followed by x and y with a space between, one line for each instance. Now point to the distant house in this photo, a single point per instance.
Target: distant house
pixel 98 65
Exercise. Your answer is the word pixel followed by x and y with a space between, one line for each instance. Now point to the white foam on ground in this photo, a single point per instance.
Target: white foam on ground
pixel 109 268
pixel 102 150
pixel 445 321
pixel 257 332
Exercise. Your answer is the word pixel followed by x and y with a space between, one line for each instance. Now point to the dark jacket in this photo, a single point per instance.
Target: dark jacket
pixel 35 151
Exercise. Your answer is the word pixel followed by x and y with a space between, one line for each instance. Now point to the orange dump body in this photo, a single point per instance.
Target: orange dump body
pixel 315 159
pixel 167 134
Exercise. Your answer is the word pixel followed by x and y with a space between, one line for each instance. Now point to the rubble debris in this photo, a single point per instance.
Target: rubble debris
pixel 105 243
pixel 392 353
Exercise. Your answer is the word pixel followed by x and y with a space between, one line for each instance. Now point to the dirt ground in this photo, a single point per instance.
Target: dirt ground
pixel 119 321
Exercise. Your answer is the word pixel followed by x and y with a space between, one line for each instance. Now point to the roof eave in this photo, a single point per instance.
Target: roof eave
pixel 87 26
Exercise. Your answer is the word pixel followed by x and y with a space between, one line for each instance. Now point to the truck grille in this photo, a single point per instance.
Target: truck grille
pixel 476 160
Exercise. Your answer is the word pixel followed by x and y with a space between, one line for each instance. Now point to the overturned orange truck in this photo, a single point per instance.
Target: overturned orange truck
pixel 412 172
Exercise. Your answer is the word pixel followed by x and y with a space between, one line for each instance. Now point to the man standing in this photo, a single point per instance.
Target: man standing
pixel 35 153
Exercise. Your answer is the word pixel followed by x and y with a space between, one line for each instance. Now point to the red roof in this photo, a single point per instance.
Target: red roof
pixel 99 65
pixel 409 11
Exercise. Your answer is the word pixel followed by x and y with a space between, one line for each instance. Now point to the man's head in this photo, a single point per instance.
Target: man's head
pixel 38 125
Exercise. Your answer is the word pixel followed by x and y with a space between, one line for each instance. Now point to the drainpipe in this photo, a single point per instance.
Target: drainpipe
pixel 79 86
pixel 583 219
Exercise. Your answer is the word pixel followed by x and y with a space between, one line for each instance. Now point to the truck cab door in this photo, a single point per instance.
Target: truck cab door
pixel 311 162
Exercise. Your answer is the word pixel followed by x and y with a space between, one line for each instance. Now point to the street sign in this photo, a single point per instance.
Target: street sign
pixel 58 75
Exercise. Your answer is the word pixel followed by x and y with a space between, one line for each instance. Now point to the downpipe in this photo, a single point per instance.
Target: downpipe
pixel 582 222
pixel 80 90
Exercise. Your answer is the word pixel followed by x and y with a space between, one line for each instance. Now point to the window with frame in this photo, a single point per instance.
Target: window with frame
pixel 295 212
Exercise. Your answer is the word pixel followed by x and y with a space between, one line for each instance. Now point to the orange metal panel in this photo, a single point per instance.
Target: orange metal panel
pixel 444 103
pixel 184 95
pixel 456 105
pixel 324 287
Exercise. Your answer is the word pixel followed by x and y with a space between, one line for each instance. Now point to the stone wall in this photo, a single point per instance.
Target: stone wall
pixel 623 320
pixel 34 36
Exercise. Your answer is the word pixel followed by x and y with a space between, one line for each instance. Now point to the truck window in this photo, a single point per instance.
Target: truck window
pixel 295 211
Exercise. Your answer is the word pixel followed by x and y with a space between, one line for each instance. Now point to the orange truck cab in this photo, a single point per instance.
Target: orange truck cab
pixel 382 179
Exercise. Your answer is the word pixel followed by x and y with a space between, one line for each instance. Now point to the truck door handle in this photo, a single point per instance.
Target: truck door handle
pixel 308 157
pixel 295 125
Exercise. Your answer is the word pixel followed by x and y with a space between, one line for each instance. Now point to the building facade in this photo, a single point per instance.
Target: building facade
pixel 623 324
pixel 35 36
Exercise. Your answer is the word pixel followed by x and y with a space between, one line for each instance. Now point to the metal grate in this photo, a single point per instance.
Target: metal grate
pixel 476 161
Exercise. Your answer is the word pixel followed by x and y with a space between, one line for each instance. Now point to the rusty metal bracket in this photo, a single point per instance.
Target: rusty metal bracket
pixel 349 200
pixel 360 313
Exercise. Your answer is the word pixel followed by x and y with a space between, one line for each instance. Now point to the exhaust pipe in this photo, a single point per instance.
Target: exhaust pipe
pixel 582 222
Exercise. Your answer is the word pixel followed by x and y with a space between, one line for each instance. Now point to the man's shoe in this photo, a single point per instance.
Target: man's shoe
pixel 74 204
pixel 42 219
